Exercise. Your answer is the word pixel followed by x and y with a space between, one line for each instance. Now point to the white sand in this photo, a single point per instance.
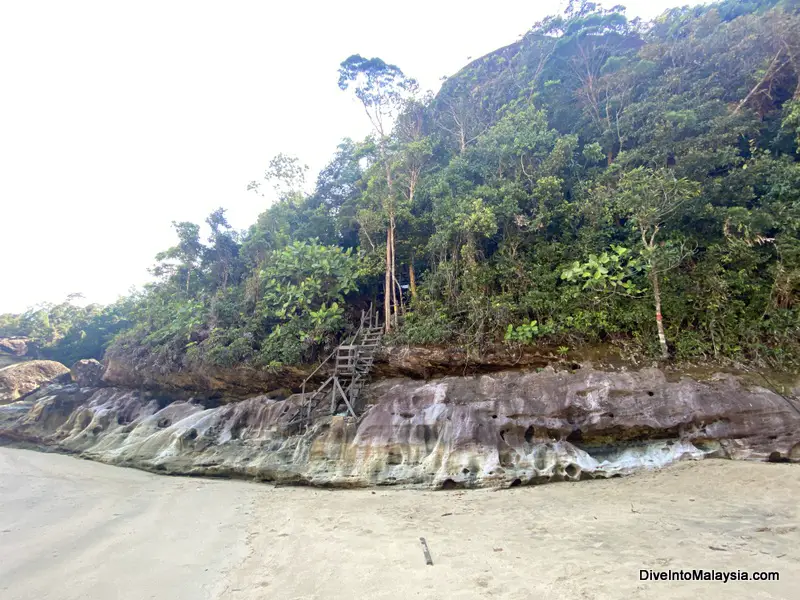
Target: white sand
pixel 74 529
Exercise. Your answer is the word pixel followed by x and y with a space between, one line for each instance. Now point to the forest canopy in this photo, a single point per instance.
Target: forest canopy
pixel 601 181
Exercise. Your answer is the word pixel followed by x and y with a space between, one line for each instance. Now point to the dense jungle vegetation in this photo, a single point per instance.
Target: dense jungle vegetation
pixel 602 180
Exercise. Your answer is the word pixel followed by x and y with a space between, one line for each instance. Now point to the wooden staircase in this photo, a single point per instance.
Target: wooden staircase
pixel 352 367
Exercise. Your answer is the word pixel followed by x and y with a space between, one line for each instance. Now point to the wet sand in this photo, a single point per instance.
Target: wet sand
pixel 73 529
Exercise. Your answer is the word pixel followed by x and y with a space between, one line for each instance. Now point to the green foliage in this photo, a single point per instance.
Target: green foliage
pixel 67 332
pixel 527 333
pixel 552 185
pixel 610 271
pixel 295 305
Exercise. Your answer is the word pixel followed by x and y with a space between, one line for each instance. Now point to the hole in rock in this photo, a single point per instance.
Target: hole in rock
pixel 650 394
pixel 449 484
pixel 709 447
pixel 163 402
pixel 775 457
pixel 529 434
pixel 516 483
pixel 494 416
pixel 503 435
pixel 213 401
pixel 85 420
pixel 394 458
pixel 575 436
pixel 539 479
pixel 574 366
pixel 191 434
pixel 610 415
pixel 465 471
pixel 162 423
pixel 572 470
pixel 427 435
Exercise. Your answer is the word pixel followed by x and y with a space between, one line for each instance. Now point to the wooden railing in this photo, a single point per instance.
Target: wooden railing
pixel 366 317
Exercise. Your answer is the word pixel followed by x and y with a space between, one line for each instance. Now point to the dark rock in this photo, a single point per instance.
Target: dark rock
pixel 230 383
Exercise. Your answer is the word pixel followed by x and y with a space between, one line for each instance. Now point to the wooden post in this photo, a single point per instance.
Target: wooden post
pixel 346 401
pixel 428 559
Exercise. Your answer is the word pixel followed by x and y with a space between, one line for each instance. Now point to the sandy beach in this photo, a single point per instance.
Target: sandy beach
pixel 73 529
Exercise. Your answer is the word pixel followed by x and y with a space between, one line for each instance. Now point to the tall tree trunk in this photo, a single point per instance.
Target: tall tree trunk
pixel 400 297
pixel 662 339
pixel 393 276
pixel 388 285
pixel 412 278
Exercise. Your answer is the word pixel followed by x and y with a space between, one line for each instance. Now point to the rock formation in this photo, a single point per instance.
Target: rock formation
pixel 87 372
pixel 19 379
pixel 502 429
pixel 15 346
pixel 234 382
pixel 419 362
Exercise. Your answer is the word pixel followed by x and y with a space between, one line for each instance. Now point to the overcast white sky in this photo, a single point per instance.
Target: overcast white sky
pixel 117 118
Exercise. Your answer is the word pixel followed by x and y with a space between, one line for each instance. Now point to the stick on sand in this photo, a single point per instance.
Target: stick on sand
pixel 428 559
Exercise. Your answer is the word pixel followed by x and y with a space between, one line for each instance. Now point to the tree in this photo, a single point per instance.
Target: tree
pixel 649 198
pixel 460 120
pixel 382 90
pixel 188 252
pixel 223 252
pixel 286 173
pixel 572 155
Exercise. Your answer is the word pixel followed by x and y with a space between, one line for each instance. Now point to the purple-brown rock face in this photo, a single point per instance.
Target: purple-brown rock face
pixel 504 429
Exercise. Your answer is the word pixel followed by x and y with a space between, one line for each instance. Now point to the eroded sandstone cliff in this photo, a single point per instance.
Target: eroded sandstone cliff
pixel 501 429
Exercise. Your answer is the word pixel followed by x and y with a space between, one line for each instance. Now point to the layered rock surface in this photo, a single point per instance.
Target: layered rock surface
pixel 503 429
pixel 242 381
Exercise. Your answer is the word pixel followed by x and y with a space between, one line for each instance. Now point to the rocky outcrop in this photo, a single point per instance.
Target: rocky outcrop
pixel 88 372
pixel 22 378
pixel 242 381
pixel 425 362
pixel 231 383
pixel 13 350
pixel 502 429
pixel 14 346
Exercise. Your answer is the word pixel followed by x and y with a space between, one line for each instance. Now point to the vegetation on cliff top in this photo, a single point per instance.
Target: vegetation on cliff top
pixel 601 180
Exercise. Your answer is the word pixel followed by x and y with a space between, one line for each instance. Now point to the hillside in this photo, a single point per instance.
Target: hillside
pixel 602 181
